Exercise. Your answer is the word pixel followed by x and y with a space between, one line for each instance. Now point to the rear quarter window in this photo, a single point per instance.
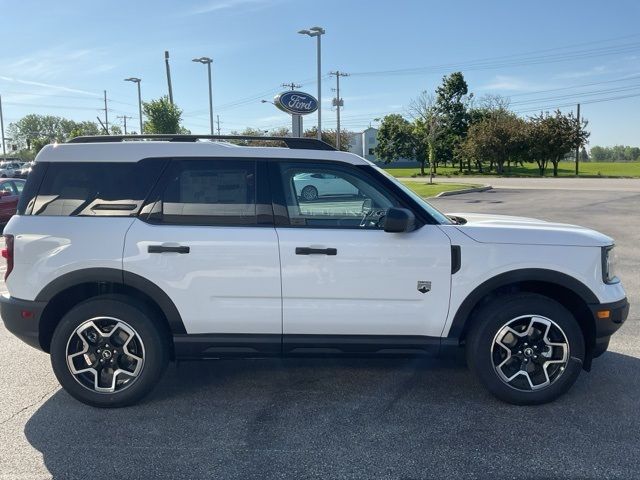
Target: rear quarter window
pixel 89 189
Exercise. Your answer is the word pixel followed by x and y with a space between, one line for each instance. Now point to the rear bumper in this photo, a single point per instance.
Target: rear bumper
pixel 22 318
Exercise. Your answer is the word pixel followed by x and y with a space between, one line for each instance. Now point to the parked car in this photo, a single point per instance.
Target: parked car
pixel 10 190
pixel 24 171
pixel 126 255
pixel 9 169
pixel 310 186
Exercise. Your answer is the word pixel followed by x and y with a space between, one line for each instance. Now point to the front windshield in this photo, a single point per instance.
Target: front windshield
pixel 435 213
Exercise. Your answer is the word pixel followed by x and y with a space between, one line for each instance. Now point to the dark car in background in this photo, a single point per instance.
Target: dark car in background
pixel 10 190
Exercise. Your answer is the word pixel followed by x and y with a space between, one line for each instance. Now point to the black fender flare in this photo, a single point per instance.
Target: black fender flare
pixel 516 276
pixel 123 277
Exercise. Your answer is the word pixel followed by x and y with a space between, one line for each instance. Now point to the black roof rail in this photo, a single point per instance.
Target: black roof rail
pixel 291 142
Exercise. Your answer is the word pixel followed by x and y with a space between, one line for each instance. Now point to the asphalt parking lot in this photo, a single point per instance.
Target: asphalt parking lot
pixel 355 418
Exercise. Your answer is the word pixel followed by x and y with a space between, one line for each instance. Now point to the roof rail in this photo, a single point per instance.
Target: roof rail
pixel 290 142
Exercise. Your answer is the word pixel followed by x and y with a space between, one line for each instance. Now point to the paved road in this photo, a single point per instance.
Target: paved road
pixel 561 183
pixel 321 418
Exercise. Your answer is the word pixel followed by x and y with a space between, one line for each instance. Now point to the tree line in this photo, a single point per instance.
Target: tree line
pixel 617 153
pixel 32 132
pixel 451 127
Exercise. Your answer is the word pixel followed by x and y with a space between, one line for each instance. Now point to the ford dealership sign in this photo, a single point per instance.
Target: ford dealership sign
pixel 296 103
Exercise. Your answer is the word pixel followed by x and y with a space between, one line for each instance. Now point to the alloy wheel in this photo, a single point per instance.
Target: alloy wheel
pixel 530 352
pixel 105 354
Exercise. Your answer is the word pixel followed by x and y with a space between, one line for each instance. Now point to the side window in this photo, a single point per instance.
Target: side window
pixel 207 192
pixel 19 186
pixel 333 196
pixel 8 189
pixel 92 188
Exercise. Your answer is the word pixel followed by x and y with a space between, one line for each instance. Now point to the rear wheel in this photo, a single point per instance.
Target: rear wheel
pixel 107 352
pixel 309 193
pixel 526 349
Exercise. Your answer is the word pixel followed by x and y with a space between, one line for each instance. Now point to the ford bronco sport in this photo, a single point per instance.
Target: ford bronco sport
pixel 129 252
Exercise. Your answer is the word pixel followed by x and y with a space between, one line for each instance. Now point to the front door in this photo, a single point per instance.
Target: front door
pixel 342 274
pixel 206 238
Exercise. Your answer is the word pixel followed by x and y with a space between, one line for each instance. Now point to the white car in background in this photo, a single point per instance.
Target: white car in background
pixel 9 169
pixel 311 186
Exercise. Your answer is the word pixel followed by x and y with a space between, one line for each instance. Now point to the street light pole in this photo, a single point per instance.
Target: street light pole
pixel 4 149
pixel 207 61
pixel 317 32
pixel 137 81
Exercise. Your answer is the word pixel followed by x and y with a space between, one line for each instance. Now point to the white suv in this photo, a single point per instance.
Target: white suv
pixel 125 255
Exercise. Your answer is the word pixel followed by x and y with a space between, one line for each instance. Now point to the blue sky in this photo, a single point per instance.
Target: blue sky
pixel 58 57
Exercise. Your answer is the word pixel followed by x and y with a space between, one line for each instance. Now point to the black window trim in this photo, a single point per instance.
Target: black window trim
pixel 281 212
pixel 264 207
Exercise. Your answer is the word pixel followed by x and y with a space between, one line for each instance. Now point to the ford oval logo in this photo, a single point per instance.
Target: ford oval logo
pixel 296 103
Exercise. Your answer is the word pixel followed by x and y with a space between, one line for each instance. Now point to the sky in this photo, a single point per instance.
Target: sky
pixel 58 57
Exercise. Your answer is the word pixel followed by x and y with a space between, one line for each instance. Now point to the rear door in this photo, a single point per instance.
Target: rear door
pixel 206 238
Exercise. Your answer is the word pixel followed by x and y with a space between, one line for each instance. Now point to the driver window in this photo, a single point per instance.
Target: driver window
pixel 325 195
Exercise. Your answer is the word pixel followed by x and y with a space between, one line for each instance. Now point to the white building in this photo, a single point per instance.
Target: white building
pixel 364 143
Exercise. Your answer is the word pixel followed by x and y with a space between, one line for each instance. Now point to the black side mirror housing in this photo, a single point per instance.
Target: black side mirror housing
pixel 398 220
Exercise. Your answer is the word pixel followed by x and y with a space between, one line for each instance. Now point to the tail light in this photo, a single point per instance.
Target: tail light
pixel 7 252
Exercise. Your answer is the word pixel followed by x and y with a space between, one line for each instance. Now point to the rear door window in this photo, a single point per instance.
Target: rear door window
pixel 93 188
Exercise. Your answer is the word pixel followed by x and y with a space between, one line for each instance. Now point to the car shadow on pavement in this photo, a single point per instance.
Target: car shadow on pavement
pixel 337 418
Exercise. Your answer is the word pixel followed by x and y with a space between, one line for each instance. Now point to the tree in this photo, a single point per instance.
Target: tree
pixel 396 139
pixel 499 137
pixel 451 103
pixel 554 136
pixel 32 132
pixel 429 130
pixel 163 117
pixel 329 136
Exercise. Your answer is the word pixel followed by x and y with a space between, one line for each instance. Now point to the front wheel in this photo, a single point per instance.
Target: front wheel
pixel 526 349
pixel 107 352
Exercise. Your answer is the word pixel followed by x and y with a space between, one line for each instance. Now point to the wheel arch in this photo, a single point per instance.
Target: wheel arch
pixel 68 290
pixel 566 290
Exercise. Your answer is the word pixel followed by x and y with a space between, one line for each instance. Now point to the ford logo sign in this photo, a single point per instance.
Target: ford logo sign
pixel 296 103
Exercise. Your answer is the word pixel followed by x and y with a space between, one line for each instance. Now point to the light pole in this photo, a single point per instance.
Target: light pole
pixel 317 32
pixel 137 81
pixel 207 61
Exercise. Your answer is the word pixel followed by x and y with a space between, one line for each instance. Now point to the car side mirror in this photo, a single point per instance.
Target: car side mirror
pixel 398 220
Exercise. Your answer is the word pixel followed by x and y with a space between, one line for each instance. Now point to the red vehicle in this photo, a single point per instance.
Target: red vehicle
pixel 10 190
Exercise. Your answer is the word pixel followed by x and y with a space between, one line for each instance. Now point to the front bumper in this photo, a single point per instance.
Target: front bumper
pixel 608 324
pixel 22 318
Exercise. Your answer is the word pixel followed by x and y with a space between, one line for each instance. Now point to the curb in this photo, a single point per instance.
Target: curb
pixel 484 188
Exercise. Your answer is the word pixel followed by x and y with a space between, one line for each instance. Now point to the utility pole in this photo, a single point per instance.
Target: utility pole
pixel 578 146
pixel 337 102
pixel 102 125
pixel 166 61
pixel 106 115
pixel 4 148
pixel 218 122
pixel 291 85
pixel 124 117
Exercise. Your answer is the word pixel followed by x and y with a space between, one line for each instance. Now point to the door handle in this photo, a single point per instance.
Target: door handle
pixel 168 249
pixel 316 251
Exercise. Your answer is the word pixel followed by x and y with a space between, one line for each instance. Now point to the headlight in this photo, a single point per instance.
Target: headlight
pixel 609 265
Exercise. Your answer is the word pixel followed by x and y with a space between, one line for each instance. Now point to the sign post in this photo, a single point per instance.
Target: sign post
pixel 296 104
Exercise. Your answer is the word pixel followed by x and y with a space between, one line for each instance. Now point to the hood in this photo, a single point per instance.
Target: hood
pixel 486 228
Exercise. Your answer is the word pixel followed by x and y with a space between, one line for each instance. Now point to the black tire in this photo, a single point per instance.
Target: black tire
pixel 154 339
pixel 482 357
pixel 309 193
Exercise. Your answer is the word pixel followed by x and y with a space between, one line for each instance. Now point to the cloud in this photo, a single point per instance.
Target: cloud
pixel 218 5
pixel 591 72
pixel 47 86
pixel 513 84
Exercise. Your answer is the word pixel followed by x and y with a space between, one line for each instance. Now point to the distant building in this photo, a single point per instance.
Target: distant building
pixel 364 143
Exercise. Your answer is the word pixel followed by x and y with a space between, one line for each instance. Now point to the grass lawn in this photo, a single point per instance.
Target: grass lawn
pixel 565 169
pixel 426 190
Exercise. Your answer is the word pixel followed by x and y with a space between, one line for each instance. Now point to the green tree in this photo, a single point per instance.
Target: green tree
pixel 163 117
pixel 499 137
pixel 554 136
pixel 396 139
pixel 35 131
pixel 429 130
pixel 451 103
pixel 329 136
